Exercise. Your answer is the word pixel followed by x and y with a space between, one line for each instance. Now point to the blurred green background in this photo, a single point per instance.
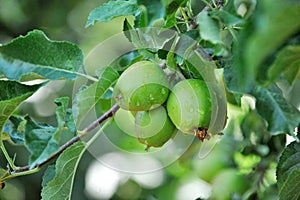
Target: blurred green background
pixel 223 171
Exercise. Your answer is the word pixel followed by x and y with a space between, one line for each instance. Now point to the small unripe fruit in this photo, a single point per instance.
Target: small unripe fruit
pixel 189 105
pixel 143 86
pixel 154 128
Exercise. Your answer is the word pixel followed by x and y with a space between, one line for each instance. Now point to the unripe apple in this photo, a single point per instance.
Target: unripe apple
pixel 154 128
pixel 143 86
pixel 125 121
pixel 189 105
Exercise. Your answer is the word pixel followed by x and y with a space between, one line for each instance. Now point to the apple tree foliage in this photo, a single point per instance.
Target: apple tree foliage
pixel 254 44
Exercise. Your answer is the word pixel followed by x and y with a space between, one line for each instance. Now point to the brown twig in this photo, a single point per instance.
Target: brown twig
pixel 105 116
pixel 75 139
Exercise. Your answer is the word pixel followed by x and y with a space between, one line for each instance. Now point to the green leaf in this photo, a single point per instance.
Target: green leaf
pixel 226 18
pixel 43 140
pixel 209 28
pixel 12 95
pixel 185 44
pixel 141 18
pixel 148 41
pixel 36 54
pixel 154 11
pixel 112 9
pixel 40 140
pixel 287 63
pixel 290 190
pixel 261 43
pixel 288 172
pixel 49 174
pixel 60 187
pixel 87 98
pixel 171 7
pixel 273 107
pixel 260 38
pixel 124 61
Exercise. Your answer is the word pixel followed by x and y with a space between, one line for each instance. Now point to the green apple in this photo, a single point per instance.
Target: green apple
pixel 154 128
pixel 126 121
pixel 189 105
pixel 143 86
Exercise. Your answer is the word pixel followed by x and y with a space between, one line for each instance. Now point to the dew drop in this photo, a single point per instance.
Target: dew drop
pixel 163 91
pixel 151 97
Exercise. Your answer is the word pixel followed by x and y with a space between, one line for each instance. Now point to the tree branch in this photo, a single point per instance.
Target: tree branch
pixel 75 139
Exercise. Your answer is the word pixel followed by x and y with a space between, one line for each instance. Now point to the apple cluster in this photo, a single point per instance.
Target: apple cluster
pixel 143 91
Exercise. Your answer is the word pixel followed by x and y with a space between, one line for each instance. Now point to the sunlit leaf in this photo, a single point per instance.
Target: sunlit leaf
pixel 12 95
pixel 36 54
pixel 60 187
pixel 288 172
pixel 87 98
pixel 112 9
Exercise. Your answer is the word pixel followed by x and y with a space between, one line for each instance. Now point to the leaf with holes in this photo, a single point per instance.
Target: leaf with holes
pixel 12 95
pixel 43 140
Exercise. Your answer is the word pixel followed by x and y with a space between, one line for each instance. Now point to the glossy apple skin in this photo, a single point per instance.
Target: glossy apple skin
pixel 189 105
pixel 143 86
pixel 154 128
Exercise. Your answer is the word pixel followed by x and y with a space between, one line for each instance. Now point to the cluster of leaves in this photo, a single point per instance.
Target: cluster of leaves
pixel 258 58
